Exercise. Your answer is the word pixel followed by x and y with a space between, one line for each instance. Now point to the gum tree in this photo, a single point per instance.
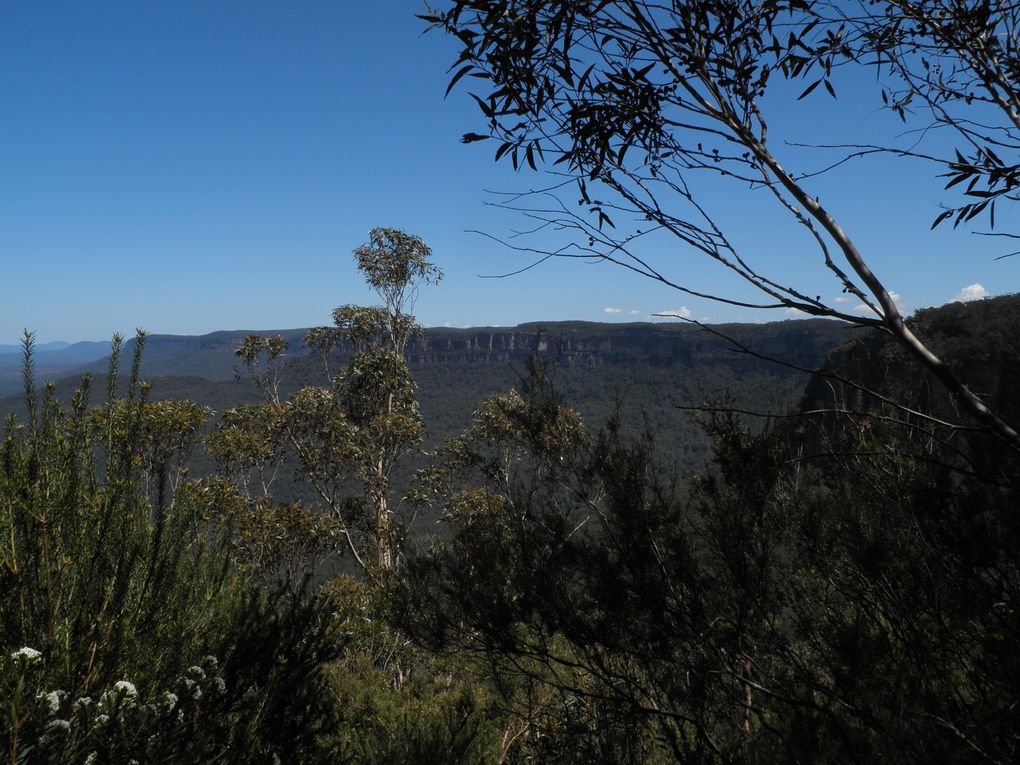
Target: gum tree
pixel 634 103
pixel 349 435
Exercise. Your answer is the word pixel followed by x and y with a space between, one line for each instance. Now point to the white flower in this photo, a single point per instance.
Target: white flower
pixel 122 691
pixel 219 685
pixel 27 654
pixel 211 662
pixel 169 700
pixel 53 700
pixel 196 672
pixel 123 687
pixel 91 759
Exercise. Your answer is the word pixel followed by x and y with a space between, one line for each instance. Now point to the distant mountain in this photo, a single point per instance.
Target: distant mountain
pixel 569 343
pixel 653 376
pixel 978 340
pixel 52 361
pixel 56 345
pixel 649 373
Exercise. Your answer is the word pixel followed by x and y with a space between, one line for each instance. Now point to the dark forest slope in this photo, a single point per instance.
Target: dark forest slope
pixel 979 342
pixel 651 371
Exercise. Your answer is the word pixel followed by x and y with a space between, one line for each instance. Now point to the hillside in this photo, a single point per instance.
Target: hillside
pixel 53 360
pixel 648 371
pixel 977 340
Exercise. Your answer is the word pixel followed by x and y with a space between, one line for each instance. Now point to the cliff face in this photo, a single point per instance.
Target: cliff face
pixel 589 345
pixel 648 375
pixel 568 344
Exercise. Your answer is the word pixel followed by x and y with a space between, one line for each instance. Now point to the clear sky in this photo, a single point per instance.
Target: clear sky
pixel 192 166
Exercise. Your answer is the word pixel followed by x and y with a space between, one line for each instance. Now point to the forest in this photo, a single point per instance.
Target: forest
pixel 787 543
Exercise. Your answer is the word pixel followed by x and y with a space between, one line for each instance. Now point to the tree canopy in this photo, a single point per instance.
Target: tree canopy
pixel 630 101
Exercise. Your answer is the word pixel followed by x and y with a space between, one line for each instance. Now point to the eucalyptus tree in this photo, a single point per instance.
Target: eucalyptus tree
pixel 349 435
pixel 762 613
pixel 634 103
pixel 944 66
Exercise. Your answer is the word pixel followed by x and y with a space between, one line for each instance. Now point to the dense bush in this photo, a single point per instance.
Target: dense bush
pixel 807 598
pixel 853 605
pixel 126 630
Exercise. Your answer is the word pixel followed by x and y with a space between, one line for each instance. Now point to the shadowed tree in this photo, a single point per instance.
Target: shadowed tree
pixel 634 104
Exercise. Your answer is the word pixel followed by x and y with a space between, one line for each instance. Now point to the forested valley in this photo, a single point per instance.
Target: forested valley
pixel 831 582
pixel 563 542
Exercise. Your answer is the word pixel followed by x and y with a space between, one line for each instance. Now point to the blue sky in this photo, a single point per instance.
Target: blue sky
pixel 191 166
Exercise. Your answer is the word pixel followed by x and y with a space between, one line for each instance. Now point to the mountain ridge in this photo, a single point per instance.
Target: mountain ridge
pixel 211 355
pixel 651 372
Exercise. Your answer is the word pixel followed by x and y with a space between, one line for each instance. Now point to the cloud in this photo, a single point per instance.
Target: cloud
pixel 841 299
pixel 970 292
pixel 634 312
pixel 793 312
pixel 612 310
pixel 683 312
pixel 897 299
pixel 447 324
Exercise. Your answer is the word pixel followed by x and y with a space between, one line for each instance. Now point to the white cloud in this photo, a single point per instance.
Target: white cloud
pixel 968 293
pixel 612 310
pixel 706 318
pixel 841 299
pixel 683 312
pixel 794 312
pixel 447 324
pixel 634 312
pixel 897 299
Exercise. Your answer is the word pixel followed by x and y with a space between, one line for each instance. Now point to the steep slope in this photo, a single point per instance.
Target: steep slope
pixel 978 340
pixel 648 373
pixel 586 344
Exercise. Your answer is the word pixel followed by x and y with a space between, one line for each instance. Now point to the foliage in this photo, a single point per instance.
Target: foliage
pixel 263 357
pixel 807 598
pixel 395 264
pixel 633 103
pixel 864 378
pixel 245 446
pixel 348 437
pixel 400 703
pixel 768 612
pixel 111 595
pixel 943 63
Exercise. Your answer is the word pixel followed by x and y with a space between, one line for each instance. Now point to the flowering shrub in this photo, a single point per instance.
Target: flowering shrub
pixel 116 578
pixel 178 724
